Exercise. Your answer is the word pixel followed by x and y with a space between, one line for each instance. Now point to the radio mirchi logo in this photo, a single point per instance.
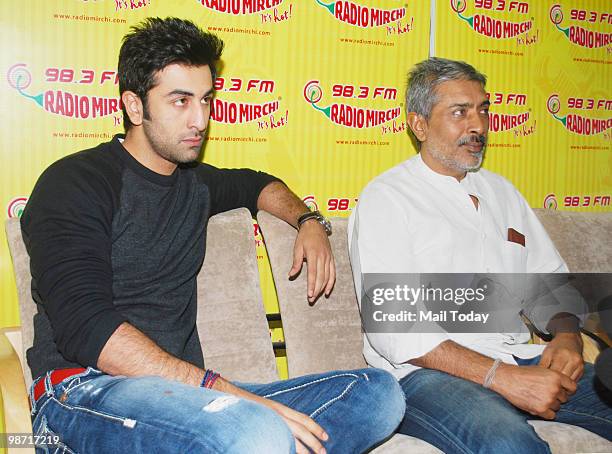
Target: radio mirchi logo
pixel 16 206
pixel 489 26
pixel 64 102
pixel 581 124
pixel 240 7
pixel 550 202
pixel 351 116
pixel 311 202
pixel 582 36
pixel 362 16
pixel 265 113
pixel 518 122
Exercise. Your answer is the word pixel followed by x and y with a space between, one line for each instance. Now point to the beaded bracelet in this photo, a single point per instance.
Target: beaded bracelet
pixel 209 379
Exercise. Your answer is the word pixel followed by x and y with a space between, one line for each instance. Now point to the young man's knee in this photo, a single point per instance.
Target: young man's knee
pixel 379 401
pixel 385 389
pixel 262 430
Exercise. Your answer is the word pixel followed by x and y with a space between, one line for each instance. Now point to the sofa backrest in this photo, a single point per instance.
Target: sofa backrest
pixel 328 336
pixel 231 318
pixel 584 240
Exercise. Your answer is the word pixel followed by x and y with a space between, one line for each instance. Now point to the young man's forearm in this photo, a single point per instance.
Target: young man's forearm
pixel 131 353
pixel 277 199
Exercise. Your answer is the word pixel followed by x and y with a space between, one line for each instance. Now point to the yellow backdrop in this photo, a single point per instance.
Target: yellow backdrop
pixel 551 124
pixel 312 91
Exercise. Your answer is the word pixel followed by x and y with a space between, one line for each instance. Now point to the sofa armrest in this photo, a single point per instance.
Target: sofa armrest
pixel 13 393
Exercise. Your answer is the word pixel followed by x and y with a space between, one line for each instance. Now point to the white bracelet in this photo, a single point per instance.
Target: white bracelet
pixel 488 381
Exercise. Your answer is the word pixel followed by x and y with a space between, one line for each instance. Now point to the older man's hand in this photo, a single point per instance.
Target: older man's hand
pixel 313 245
pixel 534 389
pixel 564 354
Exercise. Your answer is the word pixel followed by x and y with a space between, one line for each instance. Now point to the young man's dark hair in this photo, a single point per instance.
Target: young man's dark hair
pixel 156 43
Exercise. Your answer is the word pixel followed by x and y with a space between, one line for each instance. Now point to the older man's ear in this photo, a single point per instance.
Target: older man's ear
pixel 418 125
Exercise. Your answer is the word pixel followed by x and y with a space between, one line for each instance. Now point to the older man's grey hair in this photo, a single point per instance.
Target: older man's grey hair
pixel 424 78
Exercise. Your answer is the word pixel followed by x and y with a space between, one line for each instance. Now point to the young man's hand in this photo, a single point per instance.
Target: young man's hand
pixel 307 433
pixel 313 245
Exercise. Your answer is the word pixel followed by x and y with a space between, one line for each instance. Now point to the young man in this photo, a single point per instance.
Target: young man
pixel 116 236
pixel 438 212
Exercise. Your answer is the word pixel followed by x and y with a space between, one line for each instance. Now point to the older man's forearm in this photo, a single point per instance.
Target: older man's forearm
pixel 456 360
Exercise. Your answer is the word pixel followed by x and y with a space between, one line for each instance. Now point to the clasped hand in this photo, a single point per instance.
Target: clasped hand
pixel 541 390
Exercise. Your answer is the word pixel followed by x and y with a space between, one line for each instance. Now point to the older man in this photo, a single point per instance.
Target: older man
pixel 438 212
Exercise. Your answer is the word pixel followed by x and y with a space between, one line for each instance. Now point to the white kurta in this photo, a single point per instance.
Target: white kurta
pixel 411 219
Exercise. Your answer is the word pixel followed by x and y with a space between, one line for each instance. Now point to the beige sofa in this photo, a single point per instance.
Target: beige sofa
pixel 234 330
pixel 231 320
pixel 328 335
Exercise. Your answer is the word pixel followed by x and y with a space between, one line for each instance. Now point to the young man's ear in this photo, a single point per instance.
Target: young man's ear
pixel 133 107
pixel 418 125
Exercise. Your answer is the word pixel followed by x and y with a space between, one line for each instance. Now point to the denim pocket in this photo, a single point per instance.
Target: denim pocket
pixel 49 442
pixel 126 422
pixel 76 394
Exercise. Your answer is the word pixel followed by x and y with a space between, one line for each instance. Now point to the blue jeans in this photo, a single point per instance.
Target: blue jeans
pixel 97 413
pixel 460 416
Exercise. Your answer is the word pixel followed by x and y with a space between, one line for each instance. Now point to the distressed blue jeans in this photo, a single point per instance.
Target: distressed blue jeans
pixel 97 413
pixel 460 416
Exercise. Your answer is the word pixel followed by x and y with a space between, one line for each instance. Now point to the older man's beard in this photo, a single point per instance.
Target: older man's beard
pixel 454 163
pixel 480 155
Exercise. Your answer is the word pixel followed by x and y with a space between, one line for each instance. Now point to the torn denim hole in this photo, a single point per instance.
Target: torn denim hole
pixel 220 403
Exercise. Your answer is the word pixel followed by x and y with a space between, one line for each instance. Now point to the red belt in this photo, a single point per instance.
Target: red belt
pixel 57 376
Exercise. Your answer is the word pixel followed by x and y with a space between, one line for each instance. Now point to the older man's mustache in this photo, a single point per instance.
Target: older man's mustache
pixel 475 138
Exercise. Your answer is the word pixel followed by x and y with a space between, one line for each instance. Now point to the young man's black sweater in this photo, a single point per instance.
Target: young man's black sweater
pixel 112 241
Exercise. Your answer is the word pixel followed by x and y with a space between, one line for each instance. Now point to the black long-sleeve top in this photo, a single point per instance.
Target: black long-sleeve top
pixel 112 241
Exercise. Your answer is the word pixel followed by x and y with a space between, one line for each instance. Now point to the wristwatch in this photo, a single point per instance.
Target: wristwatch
pixel 317 216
